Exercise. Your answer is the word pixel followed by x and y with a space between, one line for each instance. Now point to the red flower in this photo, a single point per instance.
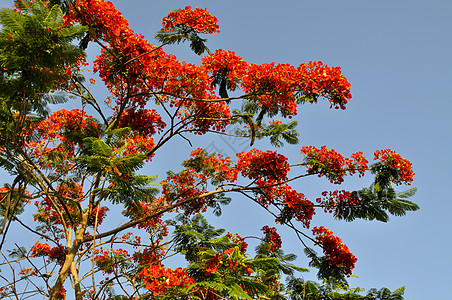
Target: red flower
pixel 198 19
pixel 319 79
pixel 159 279
pixel 272 238
pixel 57 254
pixel 227 64
pixel 333 165
pixel 403 166
pixel 145 121
pixel 335 251
pixel 257 164
pixel 338 200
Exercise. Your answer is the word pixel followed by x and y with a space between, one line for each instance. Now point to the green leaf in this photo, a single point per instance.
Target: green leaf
pixel 100 147
pixel 54 18
pixel 237 292
pixel 183 33
pixel 375 204
pixel 17 252
pixel 407 194
pixel 119 132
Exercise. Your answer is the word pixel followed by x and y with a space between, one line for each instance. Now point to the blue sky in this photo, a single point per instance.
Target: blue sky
pixel 397 56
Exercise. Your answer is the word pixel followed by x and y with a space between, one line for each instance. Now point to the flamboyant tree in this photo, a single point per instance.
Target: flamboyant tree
pixel 77 170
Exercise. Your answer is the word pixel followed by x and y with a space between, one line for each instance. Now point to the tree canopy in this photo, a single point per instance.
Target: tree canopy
pixel 103 229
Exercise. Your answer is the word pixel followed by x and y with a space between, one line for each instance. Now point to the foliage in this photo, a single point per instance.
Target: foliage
pixel 75 172
pixel 308 290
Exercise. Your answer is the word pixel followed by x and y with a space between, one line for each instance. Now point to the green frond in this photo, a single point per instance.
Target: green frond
pixel 265 263
pixel 407 194
pixel 53 19
pixel 55 98
pixel 35 38
pixel 183 33
pixel 252 287
pixel 19 252
pixel 101 148
pixel 119 132
pixel 11 20
pixel 375 204
pixel 8 165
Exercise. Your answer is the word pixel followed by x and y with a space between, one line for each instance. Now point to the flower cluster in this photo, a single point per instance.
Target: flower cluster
pixel 275 122
pixel 274 85
pixel 105 21
pixel 236 262
pixel 217 168
pixel 232 264
pixel 69 126
pixel 231 259
pixel 60 135
pixel 328 82
pixel 57 254
pixel 151 255
pixel 145 121
pixel 70 189
pixel 198 19
pixel 108 24
pixel 278 85
pixel 159 279
pixel 151 225
pixel 46 213
pixel 240 241
pixel 106 260
pixel 335 251
pixel 97 215
pixel 337 199
pixel 296 202
pixel 207 116
pixel 187 184
pixel 70 193
pixel 268 165
pixel 133 144
pixel 292 203
pixel 333 165
pixel 272 238
pixel 403 166
pixel 28 272
pixel 359 164
pixel 132 65
pixel 213 264
pixel 226 64
pixel 325 162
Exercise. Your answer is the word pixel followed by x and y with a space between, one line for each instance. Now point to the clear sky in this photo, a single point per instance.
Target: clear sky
pixel 397 56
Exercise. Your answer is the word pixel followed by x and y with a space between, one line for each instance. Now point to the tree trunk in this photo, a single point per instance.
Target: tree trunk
pixel 55 292
pixel 78 290
pixel 79 234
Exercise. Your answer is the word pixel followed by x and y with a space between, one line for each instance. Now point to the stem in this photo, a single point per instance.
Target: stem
pixel 78 290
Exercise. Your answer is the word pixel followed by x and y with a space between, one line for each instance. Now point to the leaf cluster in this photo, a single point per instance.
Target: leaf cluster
pixel 126 187
pixel 329 273
pixel 300 289
pixel 252 114
pixel 375 204
pixel 201 243
pixel 35 52
pixel 183 33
